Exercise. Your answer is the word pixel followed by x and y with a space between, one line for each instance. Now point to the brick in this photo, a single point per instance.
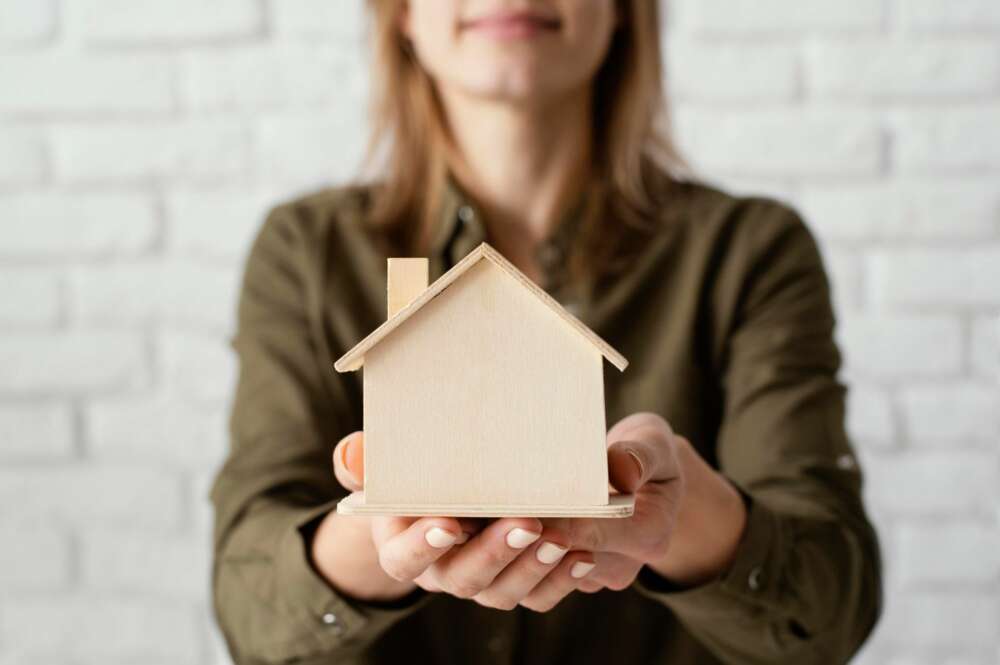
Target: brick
pixel 216 224
pixel 878 69
pixel 311 150
pixel 263 77
pixel 200 368
pixel 928 619
pixel 942 414
pixel 155 564
pixel 174 432
pixel 75 83
pixel 786 142
pixel 32 298
pixel 900 346
pixel 144 22
pixel 318 19
pixel 952 210
pixel 139 497
pixel 35 558
pixel 38 224
pixel 35 431
pixel 27 22
pixel 780 16
pixel 869 416
pixel 102 628
pixel 161 292
pixel 937 277
pixel 963 139
pixel 22 156
pixel 72 362
pixel 932 483
pixel 189 150
pixel 985 352
pixel 948 553
pixel 955 15
pixel 740 72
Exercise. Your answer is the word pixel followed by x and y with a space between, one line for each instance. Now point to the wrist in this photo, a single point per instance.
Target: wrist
pixel 709 527
pixel 344 555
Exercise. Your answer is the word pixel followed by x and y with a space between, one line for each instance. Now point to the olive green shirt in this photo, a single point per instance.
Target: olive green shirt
pixel 724 314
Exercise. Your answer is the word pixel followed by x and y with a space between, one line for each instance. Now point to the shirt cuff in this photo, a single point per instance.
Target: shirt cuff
pixel 336 618
pixel 753 578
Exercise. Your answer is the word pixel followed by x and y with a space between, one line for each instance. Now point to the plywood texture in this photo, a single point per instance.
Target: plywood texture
pixel 355 358
pixel 619 505
pixel 406 279
pixel 485 397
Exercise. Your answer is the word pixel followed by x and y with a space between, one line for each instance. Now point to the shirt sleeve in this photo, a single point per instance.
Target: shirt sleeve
pixel 805 585
pixel 289 410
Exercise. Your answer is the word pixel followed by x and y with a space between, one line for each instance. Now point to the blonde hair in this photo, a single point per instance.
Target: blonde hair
pixel 409 133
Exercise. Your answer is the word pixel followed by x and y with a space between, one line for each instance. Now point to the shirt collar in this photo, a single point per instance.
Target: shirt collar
pixel 460 229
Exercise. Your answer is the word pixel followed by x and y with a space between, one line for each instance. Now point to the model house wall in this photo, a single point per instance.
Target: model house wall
pixel 485 396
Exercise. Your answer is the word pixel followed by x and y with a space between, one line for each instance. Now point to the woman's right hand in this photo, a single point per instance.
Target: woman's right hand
pixel 500 563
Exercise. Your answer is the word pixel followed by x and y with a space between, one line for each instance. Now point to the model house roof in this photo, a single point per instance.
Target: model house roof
pixel 355 358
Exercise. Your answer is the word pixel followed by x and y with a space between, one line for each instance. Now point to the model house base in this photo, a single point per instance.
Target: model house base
pixel 619 505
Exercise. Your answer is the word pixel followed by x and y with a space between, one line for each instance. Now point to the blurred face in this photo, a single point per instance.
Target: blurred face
pixel 521 51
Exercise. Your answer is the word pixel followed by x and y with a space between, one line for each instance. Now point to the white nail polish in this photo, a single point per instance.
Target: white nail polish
pixel 550 553
pixel 581 568
pixel 438 537
pixel 519 538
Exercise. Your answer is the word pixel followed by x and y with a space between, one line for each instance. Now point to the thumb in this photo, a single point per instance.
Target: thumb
pixel 349 461
pixel 634 462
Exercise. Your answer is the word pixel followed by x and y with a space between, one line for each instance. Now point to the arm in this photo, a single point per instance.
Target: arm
pixel 804 583
pixel 277 483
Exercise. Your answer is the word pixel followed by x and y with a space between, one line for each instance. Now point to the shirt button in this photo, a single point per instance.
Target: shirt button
pixel 846 462
pixel 466 213
pixel 329 618
pixel 754 579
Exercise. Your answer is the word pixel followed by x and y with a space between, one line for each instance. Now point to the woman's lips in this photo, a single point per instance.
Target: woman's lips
pixel 512 25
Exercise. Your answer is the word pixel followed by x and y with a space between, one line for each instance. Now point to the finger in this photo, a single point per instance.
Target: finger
pixel 470 527
pixel 560 582
pixel 525 573
pixel 427 582
pixel 407 554
pixel 349 461
pixel 469 569
pixel 614 571
pixel 641 449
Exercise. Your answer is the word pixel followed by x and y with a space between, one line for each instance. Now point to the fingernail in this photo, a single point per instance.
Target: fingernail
pixel 438 537
pixel 462 537
pixel 638 462
pixel 343 461
pixel 550 553
pixel 581 568
pixel 519 538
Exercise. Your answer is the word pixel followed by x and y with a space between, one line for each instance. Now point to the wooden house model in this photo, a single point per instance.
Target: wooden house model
pixel 483 397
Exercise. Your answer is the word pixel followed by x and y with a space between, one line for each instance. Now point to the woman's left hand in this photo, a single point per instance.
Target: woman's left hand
pixel 687 524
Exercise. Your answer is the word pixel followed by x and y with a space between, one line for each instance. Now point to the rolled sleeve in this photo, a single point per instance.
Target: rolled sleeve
pixel 748 586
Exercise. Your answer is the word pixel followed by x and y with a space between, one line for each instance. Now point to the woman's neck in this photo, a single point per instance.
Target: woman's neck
pixel 523 165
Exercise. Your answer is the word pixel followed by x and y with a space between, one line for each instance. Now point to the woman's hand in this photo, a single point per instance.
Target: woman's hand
pixel 687 523
pixel 497 563
pixel 688 518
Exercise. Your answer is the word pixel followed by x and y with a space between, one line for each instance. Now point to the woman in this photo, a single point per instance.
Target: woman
pixel 533 125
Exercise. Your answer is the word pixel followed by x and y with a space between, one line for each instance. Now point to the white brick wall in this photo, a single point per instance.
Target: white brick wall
pixel 141 143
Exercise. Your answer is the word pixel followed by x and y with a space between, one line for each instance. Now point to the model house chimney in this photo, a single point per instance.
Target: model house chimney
pixel 406 279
